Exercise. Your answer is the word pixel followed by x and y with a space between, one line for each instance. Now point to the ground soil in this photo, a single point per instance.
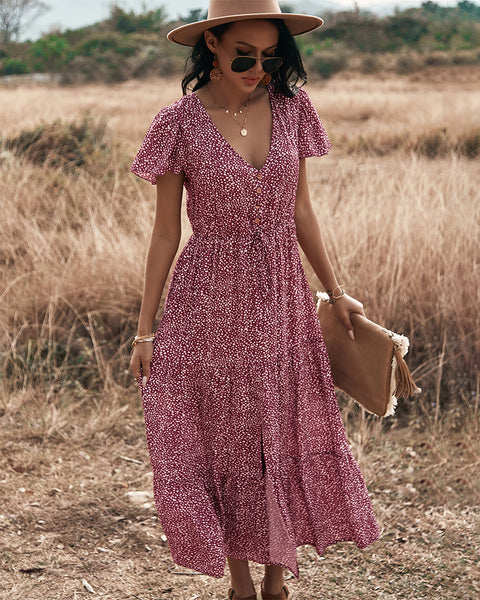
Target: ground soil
pixel 77 518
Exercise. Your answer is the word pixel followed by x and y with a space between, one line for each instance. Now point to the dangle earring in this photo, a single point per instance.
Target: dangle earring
pixel 266 79
pixel 216 73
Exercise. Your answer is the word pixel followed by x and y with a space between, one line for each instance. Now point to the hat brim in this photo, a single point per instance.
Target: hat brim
pixel 188 35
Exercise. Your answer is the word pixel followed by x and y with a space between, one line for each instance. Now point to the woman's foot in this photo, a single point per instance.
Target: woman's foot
pixel 268 594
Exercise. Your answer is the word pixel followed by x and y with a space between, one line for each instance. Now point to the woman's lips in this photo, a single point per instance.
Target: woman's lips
pixel 251 80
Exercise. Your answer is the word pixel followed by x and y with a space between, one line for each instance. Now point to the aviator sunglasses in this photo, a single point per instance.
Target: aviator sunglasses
pixel 270 64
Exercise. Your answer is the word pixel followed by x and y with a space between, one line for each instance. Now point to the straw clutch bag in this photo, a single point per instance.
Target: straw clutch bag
pixel 370 368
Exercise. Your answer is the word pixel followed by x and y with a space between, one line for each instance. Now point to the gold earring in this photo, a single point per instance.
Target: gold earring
pixel 216 73
pixel 267 78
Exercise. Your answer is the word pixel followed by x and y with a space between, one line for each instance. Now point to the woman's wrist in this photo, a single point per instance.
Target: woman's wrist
pixel 140 339
pixel 144 327
pixel 336 293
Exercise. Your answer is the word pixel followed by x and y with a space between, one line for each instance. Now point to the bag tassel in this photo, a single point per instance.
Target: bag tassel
pixel 404 384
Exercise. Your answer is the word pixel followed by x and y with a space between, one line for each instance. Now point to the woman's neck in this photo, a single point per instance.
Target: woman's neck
pixel 228 98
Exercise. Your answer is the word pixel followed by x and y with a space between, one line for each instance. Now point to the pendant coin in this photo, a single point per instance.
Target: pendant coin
pixel 243 132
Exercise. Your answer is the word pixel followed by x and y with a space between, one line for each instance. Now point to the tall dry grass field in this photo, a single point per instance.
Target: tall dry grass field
pixel 398 201
pixel 402 228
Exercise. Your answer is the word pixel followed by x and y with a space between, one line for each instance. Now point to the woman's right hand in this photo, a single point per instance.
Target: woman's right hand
pixel 140 360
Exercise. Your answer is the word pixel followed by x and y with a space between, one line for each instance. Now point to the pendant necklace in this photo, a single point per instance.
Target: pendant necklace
pixel 243 129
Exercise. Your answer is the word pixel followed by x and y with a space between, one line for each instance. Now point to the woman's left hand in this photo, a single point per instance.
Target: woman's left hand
pixel 344 306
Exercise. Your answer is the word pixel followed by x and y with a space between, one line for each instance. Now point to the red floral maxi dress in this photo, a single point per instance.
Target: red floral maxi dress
pixel 249 455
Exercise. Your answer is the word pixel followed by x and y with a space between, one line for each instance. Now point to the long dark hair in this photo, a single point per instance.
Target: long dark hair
pixel 285 79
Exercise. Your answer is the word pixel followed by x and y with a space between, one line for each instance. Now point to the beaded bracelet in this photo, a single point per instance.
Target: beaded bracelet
pixel 149 337
pixel 332 296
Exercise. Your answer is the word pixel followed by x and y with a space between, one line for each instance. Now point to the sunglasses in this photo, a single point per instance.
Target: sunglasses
pixel 240 64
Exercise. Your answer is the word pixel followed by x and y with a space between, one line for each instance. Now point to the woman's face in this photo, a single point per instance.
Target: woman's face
pixel 258 38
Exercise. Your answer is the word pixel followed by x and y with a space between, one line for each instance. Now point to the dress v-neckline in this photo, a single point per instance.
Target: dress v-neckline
pixel 227 143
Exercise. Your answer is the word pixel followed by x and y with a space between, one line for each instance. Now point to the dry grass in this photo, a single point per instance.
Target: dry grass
pixel 395 226
pixel 402 230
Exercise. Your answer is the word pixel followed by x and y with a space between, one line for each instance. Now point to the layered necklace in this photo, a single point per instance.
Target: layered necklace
pixel 243 110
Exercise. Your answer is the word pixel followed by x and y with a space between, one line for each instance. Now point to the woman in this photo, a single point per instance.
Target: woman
pixel 248 451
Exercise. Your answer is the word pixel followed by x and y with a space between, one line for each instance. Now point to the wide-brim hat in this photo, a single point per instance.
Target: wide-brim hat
pixel 228 11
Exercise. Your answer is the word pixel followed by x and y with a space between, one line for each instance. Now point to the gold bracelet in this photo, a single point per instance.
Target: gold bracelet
pixel 149 337
pixel 334 298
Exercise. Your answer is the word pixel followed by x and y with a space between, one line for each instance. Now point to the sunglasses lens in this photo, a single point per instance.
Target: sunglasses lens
pixel 270 65
pixel 240 64
pixel 243 63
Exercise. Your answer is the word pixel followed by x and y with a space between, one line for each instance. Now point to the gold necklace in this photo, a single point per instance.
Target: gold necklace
pixel 239 111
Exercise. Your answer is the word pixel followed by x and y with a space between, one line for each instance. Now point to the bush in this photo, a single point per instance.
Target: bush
pixel 50 53
pixel 155 62
pixel 404 28
pixel 99 43
pixel 433 143
pixel 14 66
pixel 328 62
pixel 65 145
pixel 108 68
pixel 363 33
pixel 469 144
pixel 437 59
pixel 407 63
pixel 371 63
pixel 465 58
pixel 130 22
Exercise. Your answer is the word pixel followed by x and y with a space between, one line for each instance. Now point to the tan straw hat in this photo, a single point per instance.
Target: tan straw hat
pixel 227 11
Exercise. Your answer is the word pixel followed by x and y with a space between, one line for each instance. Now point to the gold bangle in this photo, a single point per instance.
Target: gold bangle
pixel 149 337
pixel 333 297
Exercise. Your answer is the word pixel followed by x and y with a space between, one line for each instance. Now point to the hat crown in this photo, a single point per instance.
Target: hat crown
pixel 225 8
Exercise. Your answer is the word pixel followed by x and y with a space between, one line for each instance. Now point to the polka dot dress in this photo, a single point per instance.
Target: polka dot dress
pixel 248 451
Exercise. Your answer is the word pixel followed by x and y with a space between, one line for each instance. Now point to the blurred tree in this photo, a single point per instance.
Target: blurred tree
pixel 469 8
pixel 132 22
pixel 15 14
pixel 406 28
pixel 195 14
pixel 50 53
pixel 435 10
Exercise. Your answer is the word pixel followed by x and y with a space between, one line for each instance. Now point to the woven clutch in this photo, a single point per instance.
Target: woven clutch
pixel 371 368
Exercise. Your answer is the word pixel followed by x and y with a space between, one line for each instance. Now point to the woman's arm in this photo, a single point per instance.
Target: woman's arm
pixel 164 244
pixel 311 240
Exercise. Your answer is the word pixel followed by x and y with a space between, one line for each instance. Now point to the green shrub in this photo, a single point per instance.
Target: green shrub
pixel 99 43
pixel 50 53
pixel 363 33
pixel 328 62
pixel 130 22
pixel 13 66
pixel 404 29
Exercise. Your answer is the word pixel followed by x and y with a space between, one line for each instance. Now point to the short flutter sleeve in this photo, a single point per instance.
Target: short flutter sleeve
pixel 312 137
pixel 162 149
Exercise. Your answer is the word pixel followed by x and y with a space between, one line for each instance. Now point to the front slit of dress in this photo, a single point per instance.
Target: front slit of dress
pixel 263 455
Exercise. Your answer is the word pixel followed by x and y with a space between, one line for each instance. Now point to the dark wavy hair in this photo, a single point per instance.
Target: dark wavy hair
pixel 285 80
